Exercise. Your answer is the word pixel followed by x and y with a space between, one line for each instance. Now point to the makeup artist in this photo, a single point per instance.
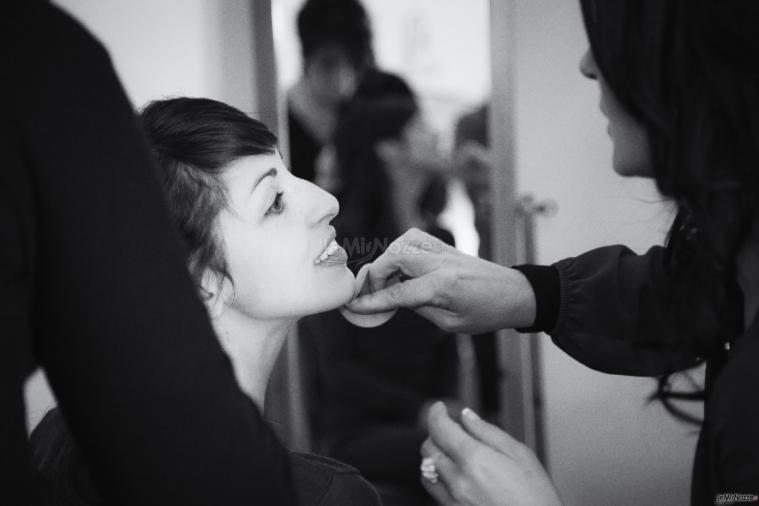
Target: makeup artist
pixel 680 86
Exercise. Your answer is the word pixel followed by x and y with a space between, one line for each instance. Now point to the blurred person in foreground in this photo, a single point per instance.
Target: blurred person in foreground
pixel 95 291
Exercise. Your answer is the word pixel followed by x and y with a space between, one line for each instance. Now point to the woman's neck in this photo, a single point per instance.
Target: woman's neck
pixel 406 190
pixel 253 346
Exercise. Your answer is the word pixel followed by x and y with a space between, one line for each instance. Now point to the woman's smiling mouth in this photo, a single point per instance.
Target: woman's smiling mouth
pixel 333 254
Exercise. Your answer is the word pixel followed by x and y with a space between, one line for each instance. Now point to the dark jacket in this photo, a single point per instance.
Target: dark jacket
pixel 600 308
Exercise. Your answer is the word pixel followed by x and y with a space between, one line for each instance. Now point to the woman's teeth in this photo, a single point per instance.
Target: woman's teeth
pixel 330 250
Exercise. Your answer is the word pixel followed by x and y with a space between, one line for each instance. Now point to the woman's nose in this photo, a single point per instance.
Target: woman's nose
pixel 588 66
pixel 323 206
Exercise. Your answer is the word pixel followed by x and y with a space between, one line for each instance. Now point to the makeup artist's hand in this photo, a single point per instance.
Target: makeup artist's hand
pixel 457 292
pixel 478 464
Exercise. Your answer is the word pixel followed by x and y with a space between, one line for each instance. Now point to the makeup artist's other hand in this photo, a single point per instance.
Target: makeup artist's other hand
pixel 457 292
pixel 478 464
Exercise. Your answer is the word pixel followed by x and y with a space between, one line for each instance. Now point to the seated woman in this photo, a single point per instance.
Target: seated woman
pixel 262 253
pixel 372 386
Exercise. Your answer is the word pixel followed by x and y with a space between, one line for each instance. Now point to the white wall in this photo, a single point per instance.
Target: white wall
pixel 176 47
pixel 606 445
pixel 168 48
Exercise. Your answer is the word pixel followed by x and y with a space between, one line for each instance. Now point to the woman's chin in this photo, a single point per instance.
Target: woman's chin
pixel 344 289
pixel 336 292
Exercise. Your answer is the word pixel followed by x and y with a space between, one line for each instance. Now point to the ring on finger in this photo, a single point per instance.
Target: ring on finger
pixel 429 471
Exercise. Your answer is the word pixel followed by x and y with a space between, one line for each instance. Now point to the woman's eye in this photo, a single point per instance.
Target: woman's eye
pixel 277 206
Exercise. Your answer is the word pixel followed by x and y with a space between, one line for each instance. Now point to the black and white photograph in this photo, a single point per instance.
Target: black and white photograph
pixel 379 253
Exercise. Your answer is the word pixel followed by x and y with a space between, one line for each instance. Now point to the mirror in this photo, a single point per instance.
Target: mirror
pixel 394 126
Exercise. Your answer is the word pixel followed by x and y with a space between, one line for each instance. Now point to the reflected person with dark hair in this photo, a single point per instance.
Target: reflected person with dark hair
pixel 338 68
pixel 335 38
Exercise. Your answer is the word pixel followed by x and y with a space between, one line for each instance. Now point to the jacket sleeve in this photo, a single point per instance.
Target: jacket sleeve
pixel 139 375
pixel 605 312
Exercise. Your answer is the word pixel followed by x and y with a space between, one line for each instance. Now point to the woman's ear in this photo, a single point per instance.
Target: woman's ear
pixel 217 292
pixel 389 151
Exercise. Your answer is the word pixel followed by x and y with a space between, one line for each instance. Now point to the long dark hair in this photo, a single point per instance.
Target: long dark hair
pixel 194 140
pixel 686 70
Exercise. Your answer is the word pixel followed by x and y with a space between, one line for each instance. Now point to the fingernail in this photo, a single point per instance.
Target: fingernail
pixel 471 415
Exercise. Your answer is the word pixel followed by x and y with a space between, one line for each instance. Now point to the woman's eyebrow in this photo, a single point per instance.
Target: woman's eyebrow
pixel 271 172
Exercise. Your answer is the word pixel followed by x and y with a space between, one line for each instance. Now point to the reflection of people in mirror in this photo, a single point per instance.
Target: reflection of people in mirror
pixel 335 42
pixel 338 67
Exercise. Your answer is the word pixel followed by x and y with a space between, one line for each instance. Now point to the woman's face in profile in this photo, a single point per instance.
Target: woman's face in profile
pixel 278 243
pixel 632 151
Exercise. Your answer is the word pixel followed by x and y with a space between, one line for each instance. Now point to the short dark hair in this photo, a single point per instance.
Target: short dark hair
pixel 343 23
pixel 194 140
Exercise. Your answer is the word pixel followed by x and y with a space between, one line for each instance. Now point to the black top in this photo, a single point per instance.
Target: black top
pixel 607 318
pixel 93 286
pixel 378 375
pixel 321 481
